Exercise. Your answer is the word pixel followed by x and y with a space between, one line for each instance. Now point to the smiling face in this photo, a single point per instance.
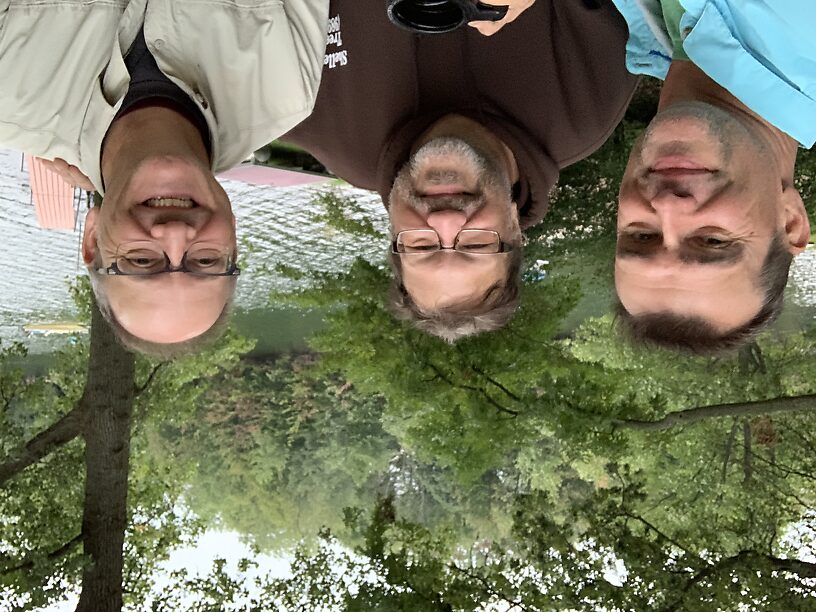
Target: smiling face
pixel 174 205
pixel 447 186
pixel 700 201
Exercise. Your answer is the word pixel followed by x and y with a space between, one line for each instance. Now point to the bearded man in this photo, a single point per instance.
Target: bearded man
pixel 709 218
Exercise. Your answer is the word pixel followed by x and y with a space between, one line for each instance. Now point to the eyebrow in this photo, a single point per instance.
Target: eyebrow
pixel 725 256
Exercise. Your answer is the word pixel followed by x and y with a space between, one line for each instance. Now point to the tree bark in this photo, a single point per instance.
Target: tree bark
pixel 739 409
pixel 747 464
pixel 728 446
pixel 44 443
pixel 109 392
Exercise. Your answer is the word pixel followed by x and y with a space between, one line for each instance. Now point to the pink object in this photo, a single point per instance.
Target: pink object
pixel 53 198
pixel 276 177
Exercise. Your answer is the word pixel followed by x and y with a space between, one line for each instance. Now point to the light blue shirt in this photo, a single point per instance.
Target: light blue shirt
pixel 763 52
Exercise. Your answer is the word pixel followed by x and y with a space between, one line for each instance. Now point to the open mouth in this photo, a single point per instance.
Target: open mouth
pixel 170 202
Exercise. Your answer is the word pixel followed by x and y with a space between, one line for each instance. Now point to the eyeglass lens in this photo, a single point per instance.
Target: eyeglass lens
pixel 468 241
pixel 144 259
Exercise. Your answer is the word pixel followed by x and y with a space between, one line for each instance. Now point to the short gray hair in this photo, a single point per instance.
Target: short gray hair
pixel 493 311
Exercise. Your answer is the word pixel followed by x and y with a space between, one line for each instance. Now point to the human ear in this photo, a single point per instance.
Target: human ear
pixel 796 222
pixel 89 247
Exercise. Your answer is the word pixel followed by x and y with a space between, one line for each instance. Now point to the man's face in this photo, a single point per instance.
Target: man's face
pixel 170 205
pixel 448 186
pixel 700 201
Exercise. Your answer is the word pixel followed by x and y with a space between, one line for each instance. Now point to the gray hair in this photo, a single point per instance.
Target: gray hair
pixel 495 308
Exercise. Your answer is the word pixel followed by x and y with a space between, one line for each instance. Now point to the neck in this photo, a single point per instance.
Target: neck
pixel 475 134
pixel 148 132
pixel 686 82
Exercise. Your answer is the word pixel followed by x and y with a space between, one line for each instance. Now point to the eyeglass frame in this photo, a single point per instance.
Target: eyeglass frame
pixel 169 268
pixel 504 247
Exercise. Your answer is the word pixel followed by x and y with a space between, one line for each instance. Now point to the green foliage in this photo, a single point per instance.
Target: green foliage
pixel 532 415
pixel 41 507
pixel 263 437
pixel 805 180
pixel 38 509
pixel 344 214
pixel 606 553
pixel 399 565
pixel 610 553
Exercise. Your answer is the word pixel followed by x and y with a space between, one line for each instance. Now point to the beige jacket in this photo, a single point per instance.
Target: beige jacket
pixel 252 66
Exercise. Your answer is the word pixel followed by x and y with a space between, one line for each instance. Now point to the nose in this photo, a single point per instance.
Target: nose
pixel 674 208
pixel 175 237
pixel 679 192
pixel 447 224
pixel 674 197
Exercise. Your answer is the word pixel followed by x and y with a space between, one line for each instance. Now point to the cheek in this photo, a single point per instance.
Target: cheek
pixel 404 217
pixel 108 233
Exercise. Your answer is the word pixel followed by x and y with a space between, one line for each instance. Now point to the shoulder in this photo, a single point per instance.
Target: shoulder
pixel 762 53
pixel 253 68
pixel 45 95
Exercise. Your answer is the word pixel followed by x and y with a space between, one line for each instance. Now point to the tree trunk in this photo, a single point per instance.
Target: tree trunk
pixel 747 463
pixel 109 392
pixel 728 446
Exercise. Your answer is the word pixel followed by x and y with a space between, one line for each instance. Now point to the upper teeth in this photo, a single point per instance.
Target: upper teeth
pixel 162 202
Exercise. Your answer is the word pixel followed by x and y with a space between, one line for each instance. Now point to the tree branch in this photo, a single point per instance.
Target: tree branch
pixel 722 564
pixel 659 533
pixel 728 446
pixel 786 470
pixel 802 569
pixel 479 390
pixel 45 442
pixel 487 586
pixel 139 389
pixel 747 465
pixel 739 409
pixel 55 554
pixel 496 383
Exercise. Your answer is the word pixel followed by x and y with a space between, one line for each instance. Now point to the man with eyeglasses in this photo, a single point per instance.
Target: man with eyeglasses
pixel 463 136
pixel 146 100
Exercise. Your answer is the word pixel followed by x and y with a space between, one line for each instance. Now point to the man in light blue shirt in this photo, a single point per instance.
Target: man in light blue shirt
pixel 708 218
